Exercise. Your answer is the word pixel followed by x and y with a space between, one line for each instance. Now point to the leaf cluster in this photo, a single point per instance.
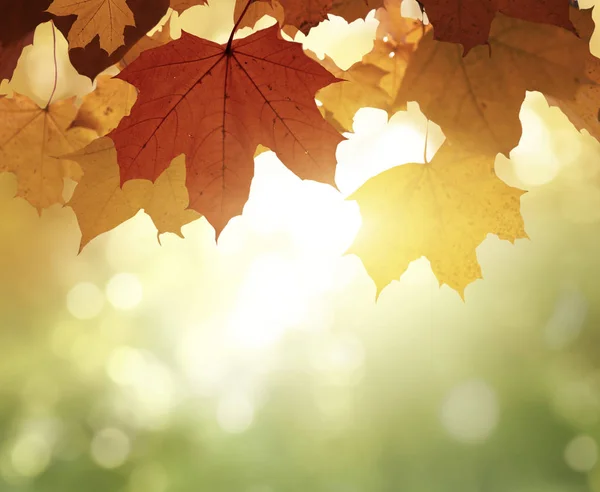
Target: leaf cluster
pixel 176 131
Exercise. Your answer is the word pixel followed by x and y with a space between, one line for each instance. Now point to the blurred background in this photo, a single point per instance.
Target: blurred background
pixel 264 364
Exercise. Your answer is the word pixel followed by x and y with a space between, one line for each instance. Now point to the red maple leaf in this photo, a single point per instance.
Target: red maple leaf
pixel 216 103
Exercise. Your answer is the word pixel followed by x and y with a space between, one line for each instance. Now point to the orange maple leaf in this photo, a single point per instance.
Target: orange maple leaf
pixel 32 141
pixel 92 58
pixel 217 103
pixel 106 18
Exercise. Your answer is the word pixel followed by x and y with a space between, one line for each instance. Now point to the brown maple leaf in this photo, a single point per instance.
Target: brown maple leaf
pixel 10 54
pixel 303 15
pixel 476 99
pixel 441 210
pixel 584 109
pixel 181 5
pixel 100 203
pixel 468 21
pixel 104 18
pixel 31 141
pixel 18 20
pixel 217 103
pixel 351 10
pixel 92 59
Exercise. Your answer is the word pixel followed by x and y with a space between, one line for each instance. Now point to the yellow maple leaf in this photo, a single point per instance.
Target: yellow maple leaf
pixel 32 139
pixel 106 18
pixel 476 99
pixel 103 108
pixel 372 82
pixel 100 204
pixel 360 88
pixel 441 210
pixel 375 80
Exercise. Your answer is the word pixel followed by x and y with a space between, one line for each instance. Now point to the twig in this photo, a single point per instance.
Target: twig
pixel 426 138
pixel 228 48
pixel 55 66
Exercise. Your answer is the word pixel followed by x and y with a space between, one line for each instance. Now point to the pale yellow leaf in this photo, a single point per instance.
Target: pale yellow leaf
pixel 442 210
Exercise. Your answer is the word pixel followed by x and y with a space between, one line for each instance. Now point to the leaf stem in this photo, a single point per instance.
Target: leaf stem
pixel 426 138
pixel 55 65
pixel 230 40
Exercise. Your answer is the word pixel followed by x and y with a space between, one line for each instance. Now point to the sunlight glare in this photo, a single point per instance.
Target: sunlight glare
pixel 344 42
pixel 270 301
pixel 315 216
pixel 534 161
pixel 378 144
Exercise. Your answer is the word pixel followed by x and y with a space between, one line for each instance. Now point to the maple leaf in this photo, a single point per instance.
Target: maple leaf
pixel 103 108
pixel 584 109
pixel 100 204
pixel 360 88
pixel 441 210
pixel 216 103
pixel 160 37
pixel 372 82
pixel 351 10
pixel 302 15
pixel 468 21
pixel 92 59
pixel 20 18
pixel 9 55
pixel 181 5
pixel 476 99
pixel 106 18
pixel 393 25
pixel 17 23
pixel 256 10
pixel 31 141
pixel 245 15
